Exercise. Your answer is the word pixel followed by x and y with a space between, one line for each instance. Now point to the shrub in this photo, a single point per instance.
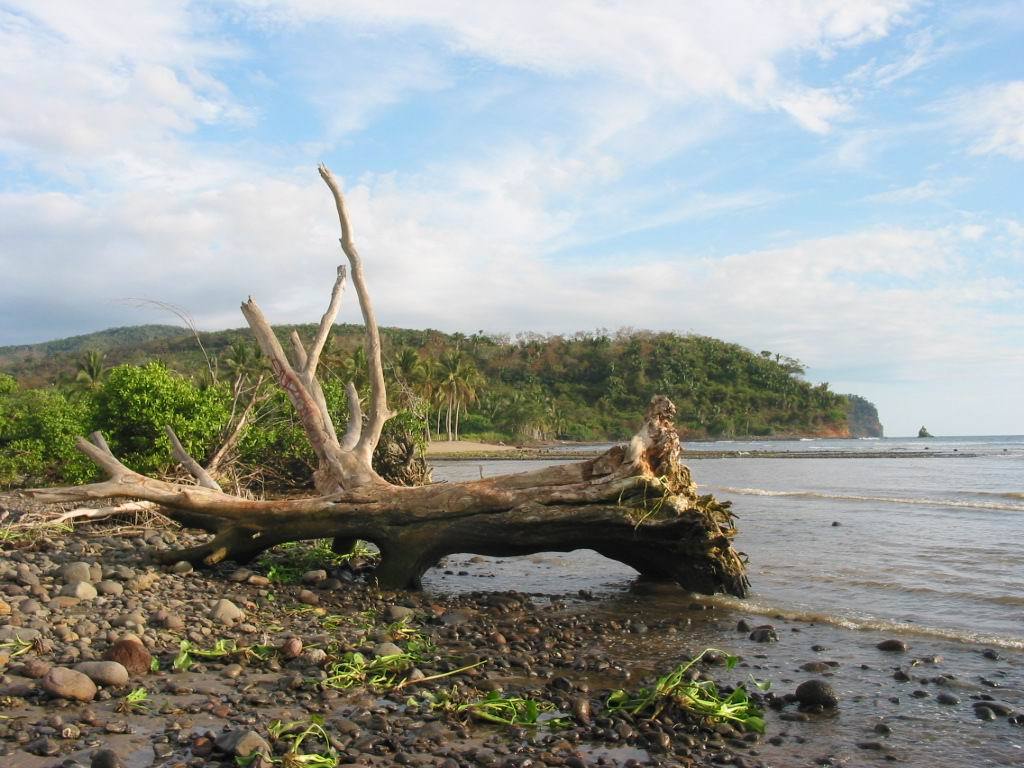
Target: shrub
pixel 134 404
pixel 38 428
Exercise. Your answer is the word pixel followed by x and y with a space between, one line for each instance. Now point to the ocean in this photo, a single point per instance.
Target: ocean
pixel 853 542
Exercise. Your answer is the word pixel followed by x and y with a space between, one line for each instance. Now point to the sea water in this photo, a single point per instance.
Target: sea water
pixel 856 541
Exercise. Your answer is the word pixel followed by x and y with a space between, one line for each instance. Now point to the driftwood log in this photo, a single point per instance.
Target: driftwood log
pixel 635 503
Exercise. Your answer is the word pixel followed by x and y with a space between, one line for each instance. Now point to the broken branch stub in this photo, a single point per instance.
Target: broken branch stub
pixel 636 503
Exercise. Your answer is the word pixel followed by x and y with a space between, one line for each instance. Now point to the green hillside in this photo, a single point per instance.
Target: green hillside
pixel 589 386
pixel 41 364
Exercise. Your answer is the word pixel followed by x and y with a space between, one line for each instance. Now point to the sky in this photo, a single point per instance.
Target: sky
pixel 837 181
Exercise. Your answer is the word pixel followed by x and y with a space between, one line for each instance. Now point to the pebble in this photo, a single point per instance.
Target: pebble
pixel 104 672
pixel 35 668
pixel 318 657
pixel 242 743
pixel 43 747
pixel 105 758
pixel 764 634
pixel 291 648
pixel 67 683
pixel 947 698
pixel 314 577
pixel 173 622
pixel 131 654
pixel 894 646
pixel 83 590
pixel 995 706
pixel 398 612
pixel 75 572
pixel 30 607
pixel 111 588
pixel 227 613
pixel 875 746
pixel 308 597
pixel 816 693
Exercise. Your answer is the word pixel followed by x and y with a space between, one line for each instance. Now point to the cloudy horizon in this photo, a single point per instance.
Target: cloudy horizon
pixel 836 181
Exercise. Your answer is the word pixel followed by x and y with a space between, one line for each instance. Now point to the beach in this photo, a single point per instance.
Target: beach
pixel 892 581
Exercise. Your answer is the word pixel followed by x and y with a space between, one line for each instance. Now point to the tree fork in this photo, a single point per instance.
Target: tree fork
pixel 635 503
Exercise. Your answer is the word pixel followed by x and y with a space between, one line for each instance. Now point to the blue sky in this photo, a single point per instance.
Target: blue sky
pixel 836 181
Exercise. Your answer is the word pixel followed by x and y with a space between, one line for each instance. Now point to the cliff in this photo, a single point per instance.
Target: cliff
pixel 862 417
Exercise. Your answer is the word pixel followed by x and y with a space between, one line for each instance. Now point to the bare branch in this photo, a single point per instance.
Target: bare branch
pixel 307 373
pixel 100 442
pixel 306 399
pixel 326 323
pixel 299 355
pixel 100 453
pixel 193 467
pixel 379 411
pixel 182 314
pixel 102 513
pixel 236 432
pixel 355 419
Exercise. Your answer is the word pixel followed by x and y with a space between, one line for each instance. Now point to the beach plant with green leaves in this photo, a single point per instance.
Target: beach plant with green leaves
pixel 379 673
pixel 136 701
pixel 500 709
pixel 383 673
pixel 297 734
pixel 494 707
pixel 289 561
pixel 699 697
pixel 221 649
pixel 17 647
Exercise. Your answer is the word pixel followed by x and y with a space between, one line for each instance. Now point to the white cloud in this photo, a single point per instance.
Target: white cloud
pixel 470 255
pixel 81 84
pixel 990 119
pixel 673 51
pixel 927 189
pixel 921 51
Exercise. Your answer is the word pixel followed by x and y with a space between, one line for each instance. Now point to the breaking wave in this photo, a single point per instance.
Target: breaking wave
pixel 866 623
pixel 959 503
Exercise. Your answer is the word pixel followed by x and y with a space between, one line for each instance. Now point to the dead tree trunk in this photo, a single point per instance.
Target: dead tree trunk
pixel 636 503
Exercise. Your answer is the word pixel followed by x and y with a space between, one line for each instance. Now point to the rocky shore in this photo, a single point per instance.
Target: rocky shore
pixel 298 660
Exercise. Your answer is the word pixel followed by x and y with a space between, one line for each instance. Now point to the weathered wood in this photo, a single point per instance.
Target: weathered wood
pixel 636 503
pixel 185 459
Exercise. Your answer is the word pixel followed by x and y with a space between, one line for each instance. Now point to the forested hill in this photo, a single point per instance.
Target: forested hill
pixel 589 386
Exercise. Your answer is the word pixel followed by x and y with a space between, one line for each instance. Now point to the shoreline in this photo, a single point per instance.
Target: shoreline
pixel 529 454
pixel 568 649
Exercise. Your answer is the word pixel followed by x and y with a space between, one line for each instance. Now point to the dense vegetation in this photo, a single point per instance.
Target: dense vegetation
pixel 128 383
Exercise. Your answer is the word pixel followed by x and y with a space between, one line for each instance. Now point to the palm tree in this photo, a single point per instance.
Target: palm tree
pixel 355 369
pixel 409 373
pixel 90 369
pixel 458 381
pixel 244 361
